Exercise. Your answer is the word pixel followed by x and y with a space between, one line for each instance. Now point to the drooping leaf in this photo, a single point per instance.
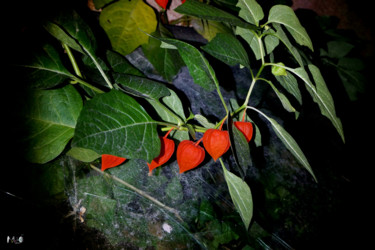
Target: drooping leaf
pixel 127 24
pixel 50 119
pixel 46 69
pixel 254 42
pixel 141 86
pixel 289 142
pixel 250 11
pixel 284 100
pixel 285 15
pixel 209 12
pixel 114 123
pixel 199 68
pixel 290 84
pixel 241 196
pixel 228 49
pixel 320 95
pixel 280 34
pixel 203 121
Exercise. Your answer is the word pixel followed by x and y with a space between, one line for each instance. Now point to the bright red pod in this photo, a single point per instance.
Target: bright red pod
pixel 189 155
pixel 246 129
pixel 216 142
pixel 162 3
pixel 110 161
pixel 166 152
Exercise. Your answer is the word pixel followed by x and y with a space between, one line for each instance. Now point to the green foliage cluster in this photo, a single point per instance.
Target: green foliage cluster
pixel 85 115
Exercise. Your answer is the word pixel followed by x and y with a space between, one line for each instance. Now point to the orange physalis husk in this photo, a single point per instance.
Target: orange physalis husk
pixel 166 152
pixel 246 129
pixel 110 161
pixel 189 155
pixel 162 3
pixel 216 142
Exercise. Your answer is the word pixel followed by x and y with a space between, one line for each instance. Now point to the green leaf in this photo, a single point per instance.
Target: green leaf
pixel 280 34
pixel 253 40
pixel 50 119
pixel 285 15
pixel 338 49
pixel 227 49
pixel 120 64
pixel 101 3
pixel 83 154
pixel 203 121
pixel 198 66
pixel 241 196
pixel 167 62
pixel 114 123
pixel 46 69
pixel 283 99
pixel 289 142
pixel 271 43
pixel 320 95
pixel 209 12
pixel 250 11
pixel 69 28
pixel 127 24
pixel 209 29
pixel 290 84
pixel 140 86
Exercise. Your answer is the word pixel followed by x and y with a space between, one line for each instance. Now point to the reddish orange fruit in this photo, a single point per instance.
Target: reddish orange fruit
pixel 166 152
pixel 162 3
pixel 110 161
pixel 189 155
pixel 216 142
pixel 246 129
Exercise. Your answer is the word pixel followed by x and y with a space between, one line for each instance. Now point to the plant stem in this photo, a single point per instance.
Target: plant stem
pixel 72 60
pixel 140 192
pixel 99 91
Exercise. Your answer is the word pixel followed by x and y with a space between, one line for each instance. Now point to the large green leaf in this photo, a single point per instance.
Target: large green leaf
pixel 46 69
pixel 140 86
pixel 288 141
pixel 241 196
pixel 320 95
pixel 114 123
pixel 199 68
pixel 285 15
pixel 250 11
pixel 240 148
pixel 228 49
pixel 50 119
pixel 209 12
pixel 127 24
